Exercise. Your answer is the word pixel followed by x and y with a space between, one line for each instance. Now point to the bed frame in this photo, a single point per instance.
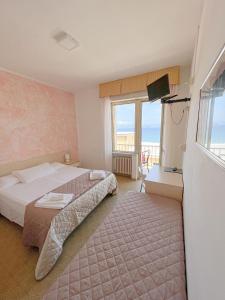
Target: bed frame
pixel 6 169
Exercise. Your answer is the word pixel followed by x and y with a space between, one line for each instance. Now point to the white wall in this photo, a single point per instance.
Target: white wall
pixel 90 121
pixel 204 180
pixel 174 137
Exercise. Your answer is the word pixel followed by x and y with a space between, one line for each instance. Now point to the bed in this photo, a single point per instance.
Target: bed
pixel 136 253
pixel 17 205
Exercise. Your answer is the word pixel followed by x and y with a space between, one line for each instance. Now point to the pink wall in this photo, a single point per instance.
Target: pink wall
pixel 35 119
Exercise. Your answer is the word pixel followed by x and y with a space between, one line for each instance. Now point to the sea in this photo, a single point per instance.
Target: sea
pixel 153 134
pixel 148 134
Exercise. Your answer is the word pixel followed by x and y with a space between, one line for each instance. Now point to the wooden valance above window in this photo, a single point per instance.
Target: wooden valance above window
pixel 137 83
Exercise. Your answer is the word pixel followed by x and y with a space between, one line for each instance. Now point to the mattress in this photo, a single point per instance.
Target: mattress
pixel 13 200
pixel 136 253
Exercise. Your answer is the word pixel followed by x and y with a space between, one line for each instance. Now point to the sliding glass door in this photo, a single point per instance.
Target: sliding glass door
pixel 137 128
pixel 150 133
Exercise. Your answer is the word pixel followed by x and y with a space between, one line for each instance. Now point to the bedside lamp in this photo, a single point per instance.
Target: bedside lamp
pixel 67 158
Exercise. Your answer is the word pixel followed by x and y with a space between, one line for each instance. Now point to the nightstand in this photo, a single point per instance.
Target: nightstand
pixel 73 164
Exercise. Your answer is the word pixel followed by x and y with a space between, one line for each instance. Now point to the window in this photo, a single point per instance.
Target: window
pixel 124 127
pixel 211 122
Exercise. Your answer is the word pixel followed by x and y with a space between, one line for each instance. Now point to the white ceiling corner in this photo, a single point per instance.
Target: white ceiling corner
pixel 116 38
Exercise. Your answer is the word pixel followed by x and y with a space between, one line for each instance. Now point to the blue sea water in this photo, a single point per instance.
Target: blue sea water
pixel 153 134
pixel 148 134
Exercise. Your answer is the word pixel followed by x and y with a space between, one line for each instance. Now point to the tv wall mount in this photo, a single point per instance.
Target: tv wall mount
pixel 167 100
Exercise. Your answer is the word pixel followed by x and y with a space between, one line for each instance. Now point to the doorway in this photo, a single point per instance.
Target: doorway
pixel 137 127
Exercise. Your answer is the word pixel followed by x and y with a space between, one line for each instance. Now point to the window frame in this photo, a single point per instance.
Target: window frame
pixel 113 104
pixel 220 162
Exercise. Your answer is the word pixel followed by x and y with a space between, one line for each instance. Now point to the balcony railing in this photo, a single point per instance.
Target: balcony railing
pixel 149 152
pixel 154 154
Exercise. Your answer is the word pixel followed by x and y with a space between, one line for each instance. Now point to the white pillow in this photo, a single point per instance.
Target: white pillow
pixel 30 174
pixel 7 181
pixel 57 165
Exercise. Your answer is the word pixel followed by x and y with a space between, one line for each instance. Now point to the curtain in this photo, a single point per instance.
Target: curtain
pixel 108 134
pixel 219 86
pixel 171 142
pixel 166 129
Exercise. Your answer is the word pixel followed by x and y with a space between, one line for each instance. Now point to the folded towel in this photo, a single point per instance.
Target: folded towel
pixel 97 174
pixel 54 200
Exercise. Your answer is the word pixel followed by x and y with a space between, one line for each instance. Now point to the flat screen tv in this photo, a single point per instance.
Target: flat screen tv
pixel 158 88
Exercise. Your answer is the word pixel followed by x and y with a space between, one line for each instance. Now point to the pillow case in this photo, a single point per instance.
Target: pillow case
pixel 30 174
pixel 7 181
pixel 57 165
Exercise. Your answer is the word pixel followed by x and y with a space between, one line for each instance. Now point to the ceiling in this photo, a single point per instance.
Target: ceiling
pixel 117 38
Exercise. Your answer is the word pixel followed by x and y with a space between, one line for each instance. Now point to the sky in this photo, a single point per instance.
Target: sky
pixel 151 114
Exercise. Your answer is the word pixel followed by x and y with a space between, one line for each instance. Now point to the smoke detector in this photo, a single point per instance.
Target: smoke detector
pixel 66 41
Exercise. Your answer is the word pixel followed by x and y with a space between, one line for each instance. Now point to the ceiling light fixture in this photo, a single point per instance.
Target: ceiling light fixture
pixel 65 40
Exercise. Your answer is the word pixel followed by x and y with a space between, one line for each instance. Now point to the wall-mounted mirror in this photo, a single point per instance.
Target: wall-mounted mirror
pixel 211 118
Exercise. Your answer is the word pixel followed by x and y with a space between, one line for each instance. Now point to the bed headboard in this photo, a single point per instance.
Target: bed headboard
pixel 16 165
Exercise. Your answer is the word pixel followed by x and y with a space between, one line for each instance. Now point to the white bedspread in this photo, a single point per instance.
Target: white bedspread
pixel 14 199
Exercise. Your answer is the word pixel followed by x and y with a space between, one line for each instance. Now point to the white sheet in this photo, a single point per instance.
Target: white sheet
pixel 14 199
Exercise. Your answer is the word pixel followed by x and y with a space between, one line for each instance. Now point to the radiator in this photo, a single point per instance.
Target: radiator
pixel 125 164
